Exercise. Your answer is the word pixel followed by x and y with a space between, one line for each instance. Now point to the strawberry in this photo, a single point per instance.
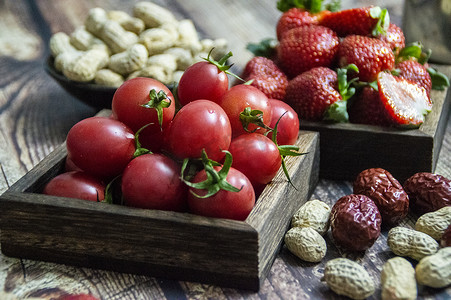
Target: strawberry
pixel 394 37
pixel 411 63
pixel 370 55
pixel 371 20
pixel 296 17
pixel 405 102
pixel 306 47
pixel 416 72
pixel 266 76
pixel 367 108
pixel 312 92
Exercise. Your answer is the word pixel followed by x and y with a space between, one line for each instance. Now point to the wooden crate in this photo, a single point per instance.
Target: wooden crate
pixel 173 245
pixel 347 149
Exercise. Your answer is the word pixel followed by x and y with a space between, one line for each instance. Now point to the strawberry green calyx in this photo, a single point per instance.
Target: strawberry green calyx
pixel 313 6
pixel 221 64
pixel 158 101
pixel 417 52
pixel 439 80
pixel 266 48
pixel 252 116
pixel 413 51
pixel 383 20
pixel 337 111
pixel 216 180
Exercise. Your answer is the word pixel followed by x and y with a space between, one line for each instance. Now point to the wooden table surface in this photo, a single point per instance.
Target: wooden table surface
pixel 36 114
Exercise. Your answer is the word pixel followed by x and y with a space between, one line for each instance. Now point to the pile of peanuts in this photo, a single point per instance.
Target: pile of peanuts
pixel 114 46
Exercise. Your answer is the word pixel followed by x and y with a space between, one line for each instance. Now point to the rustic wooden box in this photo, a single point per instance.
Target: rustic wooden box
pixel 347 149
pixel 173 245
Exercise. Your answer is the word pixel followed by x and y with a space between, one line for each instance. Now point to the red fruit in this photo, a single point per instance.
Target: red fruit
pixel 414 71
pixel 394 36
pixel 370 55
pixel 288 126
pixel 367 108
pixel 405 102
pixel 306 47
pixel 296 17
pixel 386 192
pixel 355 222
pixel 428 192
pixel 312 92
pixel 266 76
pixel 361 20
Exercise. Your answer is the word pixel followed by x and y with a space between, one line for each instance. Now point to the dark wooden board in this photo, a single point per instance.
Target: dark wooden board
pixel 347 149
pixel 164 244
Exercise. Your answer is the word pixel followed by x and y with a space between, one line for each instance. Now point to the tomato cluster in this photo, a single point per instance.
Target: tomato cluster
pixel 209 151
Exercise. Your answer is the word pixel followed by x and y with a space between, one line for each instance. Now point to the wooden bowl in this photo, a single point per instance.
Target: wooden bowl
pixel 94 95
pixel 174 245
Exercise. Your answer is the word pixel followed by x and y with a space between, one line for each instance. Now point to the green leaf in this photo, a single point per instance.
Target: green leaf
pixel 439 80
pixel 383 20
pixel 266 47
pixel 337 112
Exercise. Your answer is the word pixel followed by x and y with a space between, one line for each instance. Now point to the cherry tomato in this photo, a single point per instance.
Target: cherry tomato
pixel 224 204
pixel 201 124
pixel 257 157
pixel 288 127
pixel 129 106
pixel 153 181
pixel 241 96
pixel 100 146
pixel 76 184
pixel 202 80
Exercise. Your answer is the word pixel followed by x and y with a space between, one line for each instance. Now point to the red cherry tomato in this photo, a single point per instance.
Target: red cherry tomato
pixel 202 80
pixel 201 124
pixel 257 157
pixel 241 96
pixel 100 146
pixel 288 127
pixel 127 107
pixel 152 181
pixel 76 184
pixel 224 204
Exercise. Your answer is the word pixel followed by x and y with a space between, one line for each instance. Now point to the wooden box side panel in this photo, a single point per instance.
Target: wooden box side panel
pixel 280 200
pixel 107 238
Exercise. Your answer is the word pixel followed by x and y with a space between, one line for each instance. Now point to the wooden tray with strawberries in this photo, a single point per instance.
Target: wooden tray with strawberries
pixel 347 149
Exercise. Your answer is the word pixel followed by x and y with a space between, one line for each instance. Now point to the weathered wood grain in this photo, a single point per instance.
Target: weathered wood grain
pixel 35 115
pixel 163 244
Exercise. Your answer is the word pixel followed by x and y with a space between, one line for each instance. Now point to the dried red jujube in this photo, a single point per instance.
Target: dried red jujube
pixel 355 222
pixel 386 192
pixel 428 192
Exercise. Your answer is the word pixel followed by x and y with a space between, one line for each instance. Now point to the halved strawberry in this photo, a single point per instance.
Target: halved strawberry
pixel 406 103
pixel 370 55
pixel 266 76
pixel 371 20
pixel 306 47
